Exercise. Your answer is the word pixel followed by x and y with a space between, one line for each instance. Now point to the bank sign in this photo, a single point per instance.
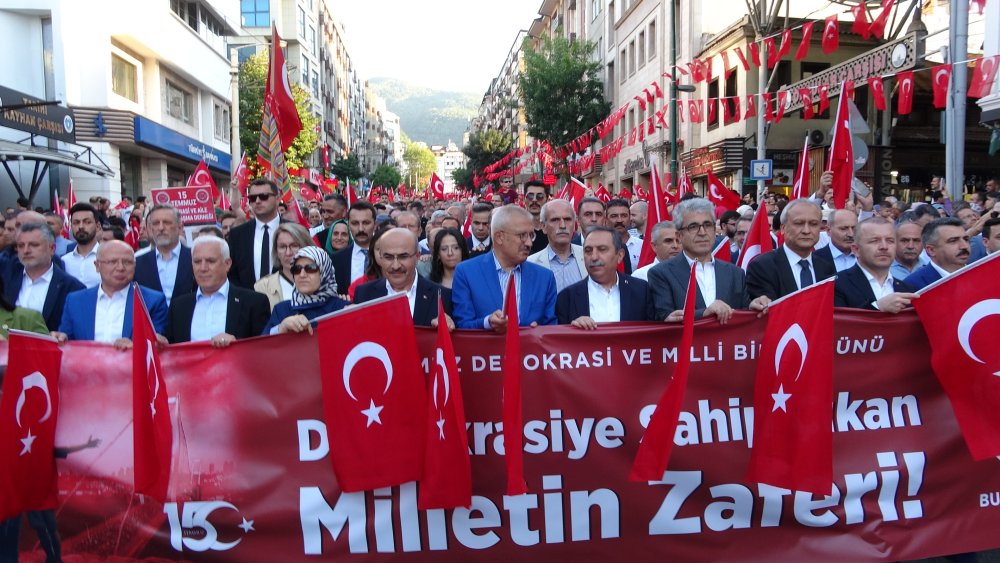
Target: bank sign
pixel 52 121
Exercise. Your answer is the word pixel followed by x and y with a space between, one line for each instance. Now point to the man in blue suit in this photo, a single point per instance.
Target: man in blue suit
pixel 39 284
pixel 947 244
pixel 166 265
pixel 480 283
pixel 604 295
pixel 104 313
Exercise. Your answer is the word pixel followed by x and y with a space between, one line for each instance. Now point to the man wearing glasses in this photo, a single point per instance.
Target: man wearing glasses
pixel 721 285
pixel 398 255
pixel 535 196
pixel 250 243
pixel 480 284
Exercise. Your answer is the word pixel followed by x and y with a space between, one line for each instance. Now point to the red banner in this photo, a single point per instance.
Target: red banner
pixel 252 480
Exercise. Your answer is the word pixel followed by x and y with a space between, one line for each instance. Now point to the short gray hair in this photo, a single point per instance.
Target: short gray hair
pixel 795 203
pixel 43 228
pixel 161 207
pixel 503 215
pixel 693 205
pixel 658 228
pixel 544 213
pixel 212 239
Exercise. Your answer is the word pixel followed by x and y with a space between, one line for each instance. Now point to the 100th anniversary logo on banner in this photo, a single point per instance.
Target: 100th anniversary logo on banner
pixel 252 478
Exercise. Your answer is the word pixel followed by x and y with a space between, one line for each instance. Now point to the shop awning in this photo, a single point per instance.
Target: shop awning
pixel 31 150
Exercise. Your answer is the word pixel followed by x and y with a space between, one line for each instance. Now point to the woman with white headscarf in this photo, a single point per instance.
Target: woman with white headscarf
pixel 315 293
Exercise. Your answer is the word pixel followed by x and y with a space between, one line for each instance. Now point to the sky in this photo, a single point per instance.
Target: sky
pixel 456 45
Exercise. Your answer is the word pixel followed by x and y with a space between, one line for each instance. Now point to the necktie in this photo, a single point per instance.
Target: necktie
pixel 805 276
pixel 364 251
pixel 480 248
pixel 265 253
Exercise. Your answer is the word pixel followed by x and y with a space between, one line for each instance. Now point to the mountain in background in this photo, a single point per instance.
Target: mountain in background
pixel 431 116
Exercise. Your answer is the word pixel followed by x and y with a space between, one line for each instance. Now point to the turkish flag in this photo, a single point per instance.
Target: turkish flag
pixel 720 195
pixel 800 187
pixel 513 424
pixel 940 80
pixel 805 94
pixel 278 94
pixel 841 161
pixel 772 52
pixel 736 108
pixel 656 211
pixel 349 194
pixel 467 227
pixel 241 178
pixel 905 103
pixel 308 193
pixel 713 110
pixel 373 394
pixel 653 457
pixel 877 89
pixel 984 77
pixel 742 58
pixel 602 193
pixel 860 26
pixel 300 217
pixel 758 239
pixel 202 177
pixel 152 434
pixel 877 28
pixel 625 194
pixel 727 67
pixel 766 102
pixel 447 478
pixel 831 34
pixel 631 136
pixel 686 187
pixel 786 44
pixel 29 409
pixel 824 97
pixel 577 191
pixel 792 435
pixel 722 251
pixel 961 315
pixel 754 53
pixel 803 50
pixel 782 103
pixel 751 106
pixel 436 187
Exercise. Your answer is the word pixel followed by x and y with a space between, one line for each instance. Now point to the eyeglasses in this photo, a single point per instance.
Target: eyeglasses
pixel 525 237
pixel 282 248
pixel 534 197
pixel 390 258
pixel 297 269
pixel 123 262
pixel 258 197
pixel 693 228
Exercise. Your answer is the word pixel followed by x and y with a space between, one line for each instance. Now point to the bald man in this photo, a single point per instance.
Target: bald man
pixel 398 254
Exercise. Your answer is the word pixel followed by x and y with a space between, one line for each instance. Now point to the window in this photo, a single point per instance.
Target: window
pixel 611 25
pixel 732 87
pixel 595 8
pixel 305 71
pixel 652 39
pixel 312 38
pixel 187 11
pixel 713 93
pixel 631 57
pixel 222 121
pixel 315 83
pixel 642 49
pixel 255 13
pixel 180 103
pixel 124 78
pixel 624 71
pixel 302 23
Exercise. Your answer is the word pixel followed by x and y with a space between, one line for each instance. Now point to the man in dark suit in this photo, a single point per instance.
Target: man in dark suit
pixel 721 285
pixel 479 241
pixel 947 245
pixel 398 253
pixel 792 266
pixel 218 311
pixel 480 284
pixel 605 295
pixel 868 284
pixel 166 265
pixel 843 223
pixel 351 262
pixel 250 243
pixel 38 284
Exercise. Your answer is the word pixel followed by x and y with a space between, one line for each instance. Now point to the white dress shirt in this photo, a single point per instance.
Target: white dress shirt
pixel 82 267
pixel 209 317
pixel 476 242
pixel 166 268
pixel 643 272
pixel 944 273
pixel 842 261
pixel 411 294
pixel 605 304
pixel 879 289
pixel 358 256
pixel 704 273
pixel 33 293
pixel 286 288
pixel 504 279
pixel 634 249
pixel 258 234
pixel 793 260
pixel 109 317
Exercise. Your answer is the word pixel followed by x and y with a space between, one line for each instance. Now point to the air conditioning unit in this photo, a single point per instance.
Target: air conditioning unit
pixel 816 137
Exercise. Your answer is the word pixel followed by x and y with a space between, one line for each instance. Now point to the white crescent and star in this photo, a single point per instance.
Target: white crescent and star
pixel 33 381
pixel 793 334
pixel 972 316
pixel 151 369
pixel 368 349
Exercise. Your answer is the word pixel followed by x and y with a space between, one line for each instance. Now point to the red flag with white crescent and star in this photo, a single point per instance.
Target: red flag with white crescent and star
pixel 961 316
pixel 723 252
pixel 984 77
pixel 831 35
pixel 800 186
pixel 861 26
pixel 374 397
pixel 841 159
pixel 905 103
pixel 940 80
pixel 152 434
pixel 202 177
pixel 721 195
pixel 877 89
pixel 793 439
pixel 278 94
pixel 602 193
pixel 513 436
pixel 758 240
pixel 576 191
pixel 653 457
pixel 241 178
pixel 435 187
pixel 877 28
pixel 467 226
pixel 29 410
pixel 803 50
pixel 447 477
pixel 685 185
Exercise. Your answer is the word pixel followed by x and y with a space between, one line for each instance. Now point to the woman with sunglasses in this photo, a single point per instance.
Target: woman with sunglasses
pixel 288 239
pixel 315 293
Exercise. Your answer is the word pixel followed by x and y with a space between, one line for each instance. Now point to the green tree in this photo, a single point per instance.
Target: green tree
pixel 563 95
pixel 420 162
pixel 486 147
pixel 386 176
pixel 253 78
pixel 463 178
pixel 347 167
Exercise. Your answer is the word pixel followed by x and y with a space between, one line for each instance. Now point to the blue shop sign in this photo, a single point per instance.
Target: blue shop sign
pixel 155 136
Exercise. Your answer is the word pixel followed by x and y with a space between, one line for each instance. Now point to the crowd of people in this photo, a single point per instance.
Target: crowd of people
pixel 267 274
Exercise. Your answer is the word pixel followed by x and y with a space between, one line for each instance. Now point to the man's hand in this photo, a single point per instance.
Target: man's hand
pixel 825 183
pixel 867 202
pixel 675 317
pixel 721 310
pixel 448 320
pixel 760 305
pixel 498 321
pixel 60 337
pixel 223 340
pixel 161 341
pixel 896 302
pixel 584 322
pixel 123 344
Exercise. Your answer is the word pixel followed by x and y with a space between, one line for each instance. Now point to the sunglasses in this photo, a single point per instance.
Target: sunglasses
pixel 258 197
pixel 307 268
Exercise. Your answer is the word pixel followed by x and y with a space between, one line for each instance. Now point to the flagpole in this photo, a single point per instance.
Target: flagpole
pixel 958 40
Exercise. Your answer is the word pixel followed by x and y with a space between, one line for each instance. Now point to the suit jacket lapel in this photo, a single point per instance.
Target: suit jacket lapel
pixel 722 282
pixel 233 309
pixel 860 282
pixel 152 272
pixel 786 276
pixel 683 273
pixel 627 304
pixel 491 282
pixel 127 325
pixel 425 304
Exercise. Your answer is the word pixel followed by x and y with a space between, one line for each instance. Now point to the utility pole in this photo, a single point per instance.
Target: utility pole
pixel 958 52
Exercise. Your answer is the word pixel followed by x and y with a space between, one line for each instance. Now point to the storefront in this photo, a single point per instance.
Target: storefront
pixel 724 159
